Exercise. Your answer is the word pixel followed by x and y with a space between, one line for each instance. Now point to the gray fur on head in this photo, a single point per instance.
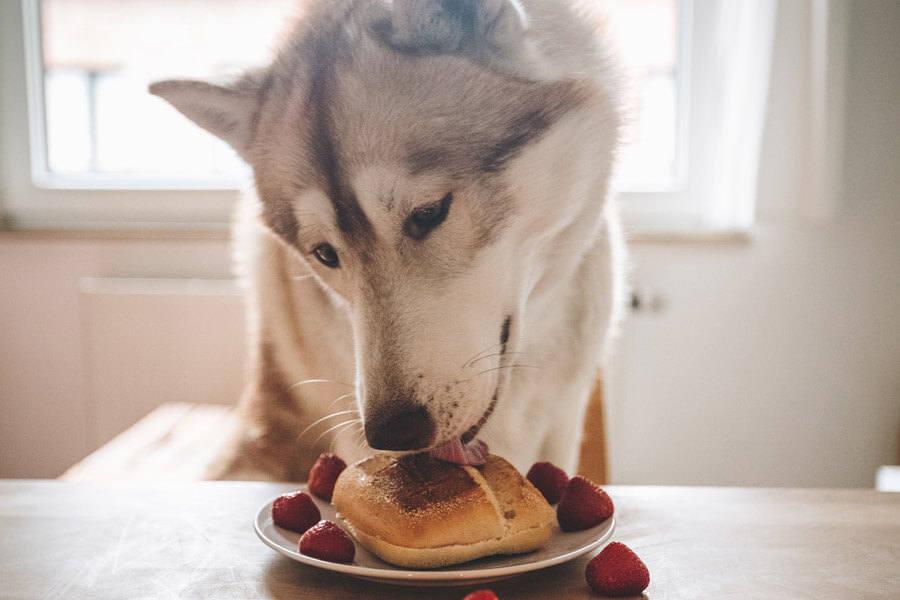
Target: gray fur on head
pixel 491 32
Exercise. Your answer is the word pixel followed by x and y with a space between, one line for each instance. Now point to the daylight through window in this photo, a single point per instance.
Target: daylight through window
pixel 99 55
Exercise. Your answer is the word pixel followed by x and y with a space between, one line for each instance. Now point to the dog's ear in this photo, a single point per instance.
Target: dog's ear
pixel 225 110
pixel 493 32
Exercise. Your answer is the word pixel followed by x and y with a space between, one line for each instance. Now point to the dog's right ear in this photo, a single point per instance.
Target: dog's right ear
pixel 225 110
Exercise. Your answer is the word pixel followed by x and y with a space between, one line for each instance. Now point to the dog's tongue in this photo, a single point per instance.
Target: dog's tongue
pixel 473 453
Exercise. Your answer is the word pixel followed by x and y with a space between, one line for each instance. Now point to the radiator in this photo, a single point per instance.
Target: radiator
pixel 152 341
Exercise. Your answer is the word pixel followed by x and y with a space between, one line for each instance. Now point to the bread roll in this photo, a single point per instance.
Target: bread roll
pixel 421 512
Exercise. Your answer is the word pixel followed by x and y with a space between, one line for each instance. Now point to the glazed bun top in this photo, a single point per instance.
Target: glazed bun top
pixel 456 512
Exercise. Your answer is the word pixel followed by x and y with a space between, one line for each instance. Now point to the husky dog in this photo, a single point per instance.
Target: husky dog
pixel 430 251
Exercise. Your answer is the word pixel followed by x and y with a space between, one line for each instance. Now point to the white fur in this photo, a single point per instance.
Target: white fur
pixel 427 314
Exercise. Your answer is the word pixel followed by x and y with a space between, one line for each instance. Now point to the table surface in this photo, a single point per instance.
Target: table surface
pixel 196 540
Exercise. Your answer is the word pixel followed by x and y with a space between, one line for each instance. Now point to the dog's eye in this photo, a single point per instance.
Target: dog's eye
pixel 426 218
pixel 326 254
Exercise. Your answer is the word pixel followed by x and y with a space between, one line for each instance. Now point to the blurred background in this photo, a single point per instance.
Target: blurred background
pixel 760 190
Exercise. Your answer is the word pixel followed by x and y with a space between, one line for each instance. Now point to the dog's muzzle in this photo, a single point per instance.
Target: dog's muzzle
pixel 410 428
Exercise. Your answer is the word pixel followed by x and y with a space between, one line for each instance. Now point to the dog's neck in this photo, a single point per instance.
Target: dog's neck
pixel 568 315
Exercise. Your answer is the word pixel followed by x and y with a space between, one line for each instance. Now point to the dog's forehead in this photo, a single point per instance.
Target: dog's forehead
pixel 438 113
pixel 394 107
pixel 344 105
pixel 427 112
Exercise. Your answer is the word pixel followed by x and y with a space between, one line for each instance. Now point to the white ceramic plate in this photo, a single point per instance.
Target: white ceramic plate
pixel 561 547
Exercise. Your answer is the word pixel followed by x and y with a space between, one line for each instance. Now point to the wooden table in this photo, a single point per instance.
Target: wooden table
pixel 195 540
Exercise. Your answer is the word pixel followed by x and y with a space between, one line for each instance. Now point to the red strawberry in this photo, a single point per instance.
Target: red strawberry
pixel 549 479
pixel 583 505
pixel 297 512
pixel 323 475
pixel 481 595
pixel 326 541
pixel 617 571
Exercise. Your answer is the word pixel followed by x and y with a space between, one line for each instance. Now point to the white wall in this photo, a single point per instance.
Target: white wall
pixel 48 420
pixel 777 362
pixel 774 362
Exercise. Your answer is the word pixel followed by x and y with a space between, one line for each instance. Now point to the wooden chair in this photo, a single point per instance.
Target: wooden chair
pixel 593 461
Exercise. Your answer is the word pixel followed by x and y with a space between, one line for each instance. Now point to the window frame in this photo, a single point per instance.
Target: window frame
pixel 668 206
pixel 31 199
pixel 690 208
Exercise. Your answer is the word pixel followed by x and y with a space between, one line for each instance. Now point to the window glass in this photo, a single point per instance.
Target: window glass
pixel 99 56
pixel 647 32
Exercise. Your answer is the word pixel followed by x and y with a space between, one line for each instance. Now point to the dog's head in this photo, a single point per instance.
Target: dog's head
pixel 413 154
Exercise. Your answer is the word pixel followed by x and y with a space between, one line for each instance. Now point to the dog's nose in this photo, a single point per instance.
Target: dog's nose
pixel 406 429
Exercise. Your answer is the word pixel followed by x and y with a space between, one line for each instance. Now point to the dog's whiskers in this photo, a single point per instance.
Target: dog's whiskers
pixel 513 366
pixel 361 443
pixel 478 355
pixel 325 418
pixel 338 426
pixel 486 356
pixel 348 426
pixel 344 397
pixel 307 381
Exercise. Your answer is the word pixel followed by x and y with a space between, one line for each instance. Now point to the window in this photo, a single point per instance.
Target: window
pixel 101 150
pixel 649 34
pixel 723 66
pixel 100 125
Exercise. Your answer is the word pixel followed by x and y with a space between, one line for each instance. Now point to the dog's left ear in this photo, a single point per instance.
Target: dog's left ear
pixel 225 110
pixel 491 32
